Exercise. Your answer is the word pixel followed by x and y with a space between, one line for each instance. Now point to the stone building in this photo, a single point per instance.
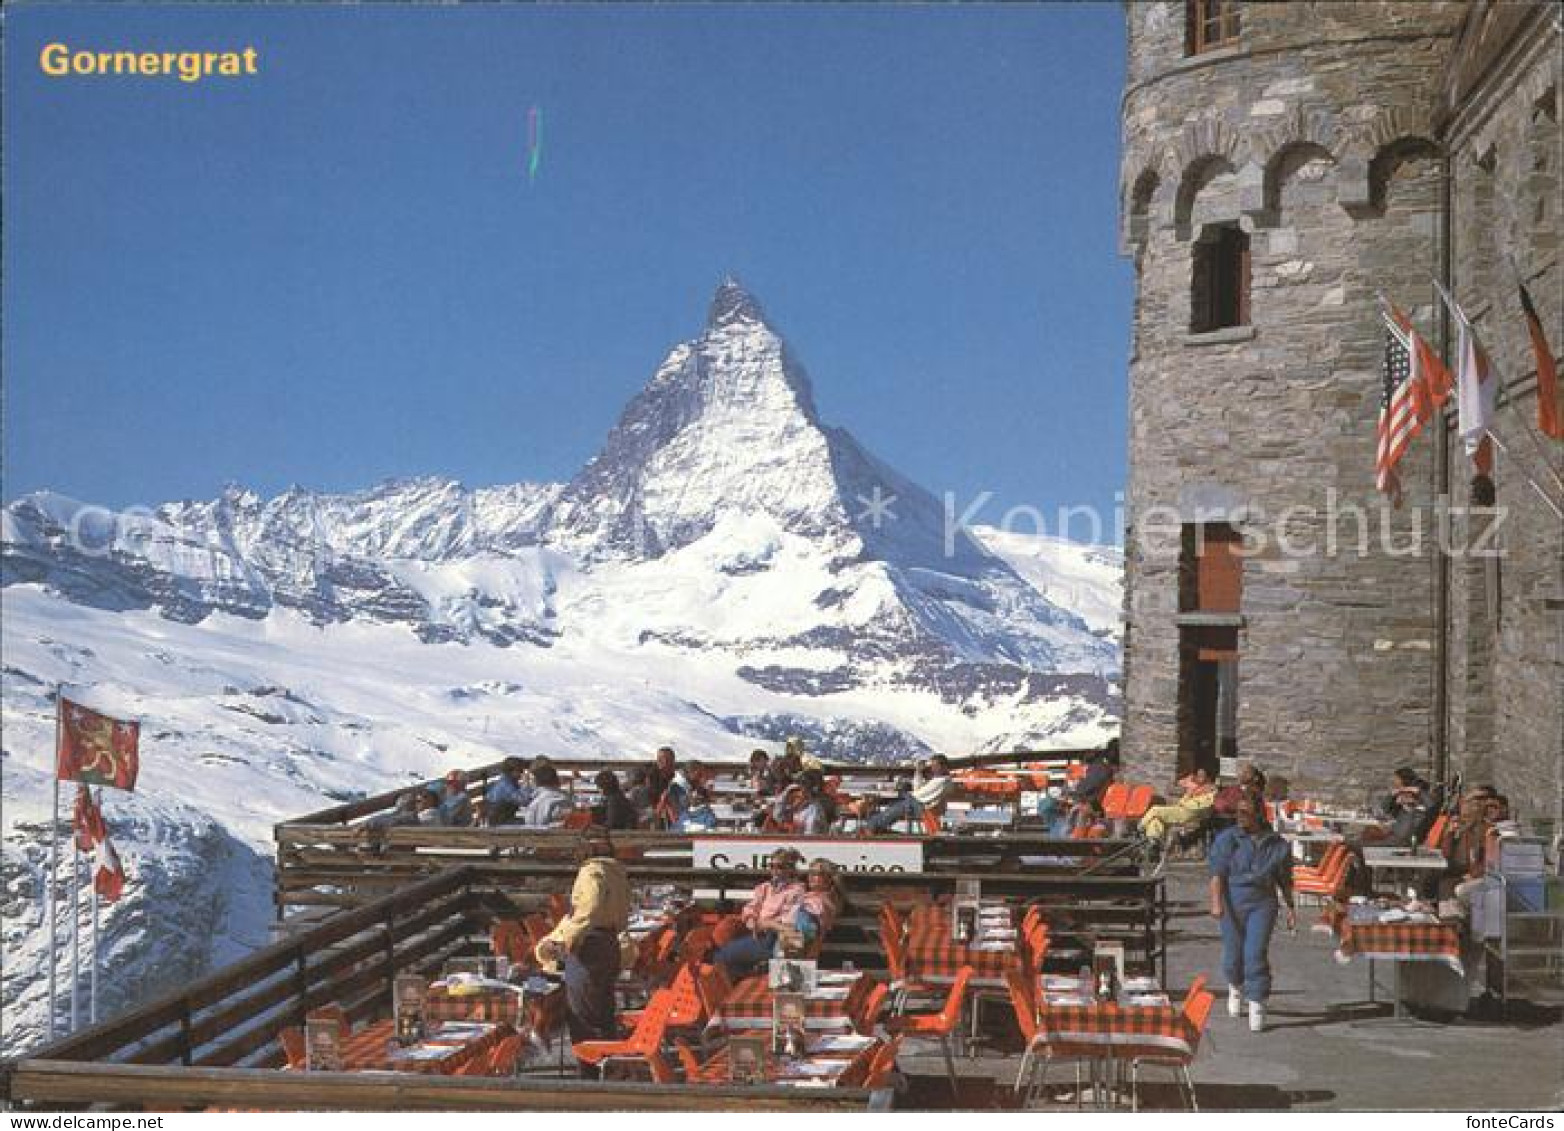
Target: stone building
pixel 1283 165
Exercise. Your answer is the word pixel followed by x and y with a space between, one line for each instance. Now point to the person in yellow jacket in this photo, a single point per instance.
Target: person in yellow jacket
pixel 586 943
pixel 1193 808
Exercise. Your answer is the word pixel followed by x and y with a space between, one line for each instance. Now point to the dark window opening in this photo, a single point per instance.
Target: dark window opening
pixel 1219 287
pixel 1209 24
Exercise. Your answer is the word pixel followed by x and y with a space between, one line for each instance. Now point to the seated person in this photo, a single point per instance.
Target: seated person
pixel 405 812
pixel 822 905
pixel 455 805
pixel 507 794
pixel 760 774
pixel 1090 823
pixel 1250 784
pixel 1085 798
pixel 1409 808
pixel 614 810
pixel 686 803
pixel 816 811
pixel 770 911
pixel 428 808
pixel 640 793
pixel 783 771
pixel 929 790
pixel 1191 809
pixel 549 804
pixel 659 775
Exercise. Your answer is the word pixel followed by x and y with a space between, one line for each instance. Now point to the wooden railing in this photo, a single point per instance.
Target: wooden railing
pixel 215 1043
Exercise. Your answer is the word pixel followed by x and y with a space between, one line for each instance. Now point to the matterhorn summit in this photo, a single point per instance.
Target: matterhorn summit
pixel 728 425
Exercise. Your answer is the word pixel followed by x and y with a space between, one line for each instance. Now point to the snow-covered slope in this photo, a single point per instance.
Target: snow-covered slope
pixel 718 574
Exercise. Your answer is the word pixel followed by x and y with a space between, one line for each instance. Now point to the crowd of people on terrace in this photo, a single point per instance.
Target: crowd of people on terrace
pixel 788 793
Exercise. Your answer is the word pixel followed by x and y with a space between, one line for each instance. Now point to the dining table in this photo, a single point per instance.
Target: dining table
pixel 447 1046
pixel 833 1005
pixel 827 1058
pixel 1396 935
pixel 1140 1020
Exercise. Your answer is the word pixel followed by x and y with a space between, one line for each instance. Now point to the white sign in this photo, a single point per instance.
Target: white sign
pixel 851 854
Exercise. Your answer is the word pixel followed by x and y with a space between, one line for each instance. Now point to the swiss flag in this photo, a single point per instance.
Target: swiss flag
pixel 87 819
pixel 95 749
pixel 108 879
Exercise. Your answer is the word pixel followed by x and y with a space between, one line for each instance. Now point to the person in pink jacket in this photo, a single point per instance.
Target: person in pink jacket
pixel 770 910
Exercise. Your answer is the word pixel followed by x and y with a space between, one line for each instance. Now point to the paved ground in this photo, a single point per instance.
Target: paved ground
pixel 1327 1048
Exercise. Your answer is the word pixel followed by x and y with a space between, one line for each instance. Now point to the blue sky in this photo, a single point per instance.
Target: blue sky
pixel 337 271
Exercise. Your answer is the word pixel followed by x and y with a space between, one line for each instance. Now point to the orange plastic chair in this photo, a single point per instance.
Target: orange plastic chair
pixel 891 921
pixel 1041 1049
pixel 857 1070
pixel 902 984
pixel 688 1060
pixel 882 1068
pixel 1436 832
pixel 1114 799
pixel 931 822
pixel 558 907
pixel 577 819
pixel 510 939
pixel 1140 799
pixel 944 1025
pixel 292 1041
pixel 697 945
pixel 869 1012
pixel 687 1010
pixel 714 986
pixel 1034 940
pixel 645 1044
pixel 1197 1011
pixel 503 1056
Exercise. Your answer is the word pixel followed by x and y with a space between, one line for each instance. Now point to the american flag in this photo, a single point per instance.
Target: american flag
pixel 1403 408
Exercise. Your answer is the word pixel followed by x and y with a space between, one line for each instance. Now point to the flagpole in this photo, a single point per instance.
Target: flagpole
pixel 1543 495
pixel 54 864
pixel 92 999
pixel 75 937
pixel 1499 389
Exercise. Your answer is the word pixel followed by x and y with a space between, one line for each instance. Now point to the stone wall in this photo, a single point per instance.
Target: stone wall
pixel 1507 627
pixel 1315 133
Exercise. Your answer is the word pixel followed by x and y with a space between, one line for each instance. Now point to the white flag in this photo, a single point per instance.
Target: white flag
pixel 1475 387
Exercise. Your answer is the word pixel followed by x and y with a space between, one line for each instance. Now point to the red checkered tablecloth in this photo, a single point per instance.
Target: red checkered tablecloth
pixel 372 1049
pixel 932 955
pixel 748 1005
pixel 544 1013
pixel 1404 942
pixel 1119 1027
pixel 818 1069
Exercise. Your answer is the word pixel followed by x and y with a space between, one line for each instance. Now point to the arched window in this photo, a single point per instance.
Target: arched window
pixel 1219 283
pixel 1209 24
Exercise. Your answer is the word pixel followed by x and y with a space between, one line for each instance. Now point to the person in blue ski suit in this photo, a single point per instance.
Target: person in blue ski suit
pixel 1251 866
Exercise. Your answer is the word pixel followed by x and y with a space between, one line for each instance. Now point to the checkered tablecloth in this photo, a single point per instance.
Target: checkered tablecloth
pixel 748 1006
pixel 1119 1028
pixel 543 1014
pixel 488 1004
pixel 828 1068
pixel 933 955
pixel 1404 942
pixel 372 1049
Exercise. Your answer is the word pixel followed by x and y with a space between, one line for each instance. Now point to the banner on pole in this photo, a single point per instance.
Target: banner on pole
pixel 94 749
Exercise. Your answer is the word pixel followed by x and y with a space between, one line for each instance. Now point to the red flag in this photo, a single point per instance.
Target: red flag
pixel 95 749
pixel 88 821
pixel 109 878
pixel 1550 413
pixel 1427 369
